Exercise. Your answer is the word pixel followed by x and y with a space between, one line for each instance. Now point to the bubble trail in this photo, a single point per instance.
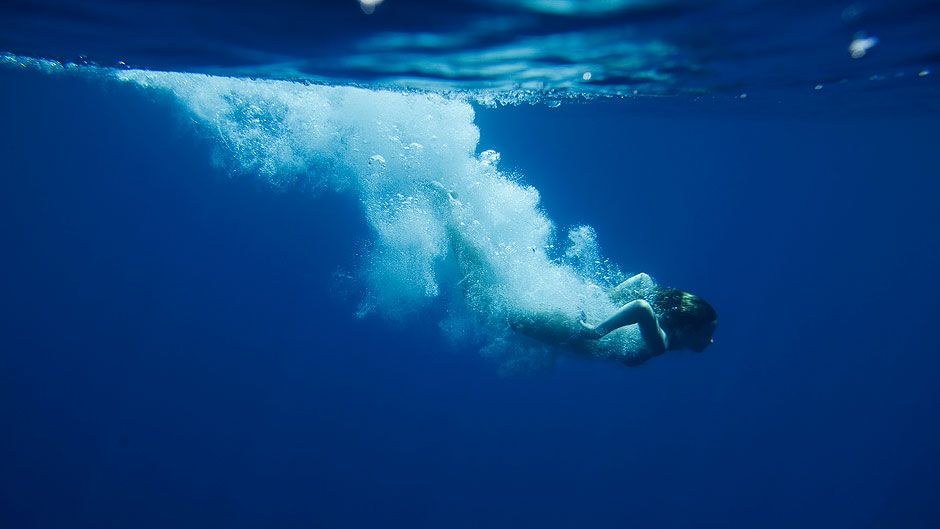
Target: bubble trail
pixel 391 149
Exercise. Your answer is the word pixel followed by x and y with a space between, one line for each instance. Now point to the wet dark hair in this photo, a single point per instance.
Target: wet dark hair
pixel 680 314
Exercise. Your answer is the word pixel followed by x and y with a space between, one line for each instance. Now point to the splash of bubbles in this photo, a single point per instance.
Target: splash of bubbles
pixel 387 148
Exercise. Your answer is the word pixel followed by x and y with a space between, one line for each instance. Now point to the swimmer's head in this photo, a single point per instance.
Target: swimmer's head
pixel 688 320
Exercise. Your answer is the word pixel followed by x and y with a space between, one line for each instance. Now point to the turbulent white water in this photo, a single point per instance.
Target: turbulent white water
pixel 387 148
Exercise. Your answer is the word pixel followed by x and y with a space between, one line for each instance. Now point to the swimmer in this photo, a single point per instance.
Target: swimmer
pixel 668 319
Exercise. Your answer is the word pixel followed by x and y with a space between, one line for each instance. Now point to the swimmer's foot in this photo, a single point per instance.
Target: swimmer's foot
pixel 442 189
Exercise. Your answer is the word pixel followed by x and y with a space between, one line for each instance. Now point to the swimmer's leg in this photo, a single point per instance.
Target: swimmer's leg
pixel 632 288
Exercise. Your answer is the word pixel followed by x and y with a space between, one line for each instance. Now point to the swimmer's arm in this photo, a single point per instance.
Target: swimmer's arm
pixel 639 312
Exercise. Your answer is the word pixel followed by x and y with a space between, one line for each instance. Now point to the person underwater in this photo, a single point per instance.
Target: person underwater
pixel 668 319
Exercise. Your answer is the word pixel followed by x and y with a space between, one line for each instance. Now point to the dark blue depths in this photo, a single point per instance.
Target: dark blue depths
pixel 176 354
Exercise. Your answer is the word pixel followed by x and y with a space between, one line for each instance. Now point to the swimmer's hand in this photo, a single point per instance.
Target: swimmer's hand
pixel 587 330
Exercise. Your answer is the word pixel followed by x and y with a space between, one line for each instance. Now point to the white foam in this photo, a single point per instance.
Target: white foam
pixel 387 147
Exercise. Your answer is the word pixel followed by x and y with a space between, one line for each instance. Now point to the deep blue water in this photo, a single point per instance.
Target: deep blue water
pixel 177 350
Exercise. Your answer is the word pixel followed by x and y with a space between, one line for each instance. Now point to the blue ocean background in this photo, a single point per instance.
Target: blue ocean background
pixel 179 348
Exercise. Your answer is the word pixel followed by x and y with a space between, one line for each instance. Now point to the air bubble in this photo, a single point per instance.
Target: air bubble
pixel 859 47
